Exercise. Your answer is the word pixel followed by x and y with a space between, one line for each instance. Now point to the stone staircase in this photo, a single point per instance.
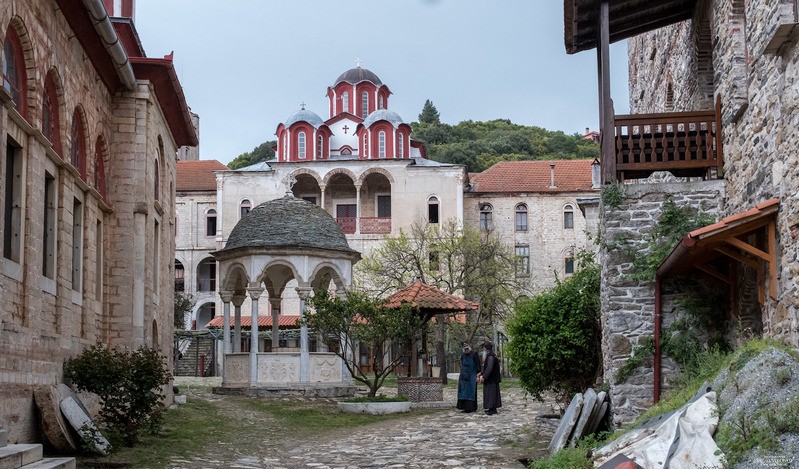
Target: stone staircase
pixel 28 456
pixel 190 363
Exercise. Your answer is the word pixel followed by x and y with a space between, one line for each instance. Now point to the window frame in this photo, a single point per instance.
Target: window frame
pixel 245 204
pixel 301 145
pixel 15 80
pixel 364 104
pixel 209 215
pixel 486 216
pixel 433 202
pixel 381 144
pixel 77 141
pixel 521 266
pixel 521 217
pixel 568 217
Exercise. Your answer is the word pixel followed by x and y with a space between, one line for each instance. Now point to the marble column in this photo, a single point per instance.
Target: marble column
pixel 274 303
pixel 305 355
pixel 255 291
pixel 357 208
pixel 226 296
pixel 238 300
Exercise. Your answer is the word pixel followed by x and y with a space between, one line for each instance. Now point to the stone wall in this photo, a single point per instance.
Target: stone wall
pixel 628 304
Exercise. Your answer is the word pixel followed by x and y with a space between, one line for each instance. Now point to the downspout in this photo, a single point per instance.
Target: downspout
pixel 103 26
pixel 657 358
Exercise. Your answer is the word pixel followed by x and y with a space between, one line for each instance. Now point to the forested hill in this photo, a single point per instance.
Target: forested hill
pixel 479 145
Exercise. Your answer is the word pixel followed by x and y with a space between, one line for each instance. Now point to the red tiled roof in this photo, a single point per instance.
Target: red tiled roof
pixel 428 298
pixel 534 176
pixel 264 321
pixel 736 219
pixel 197 175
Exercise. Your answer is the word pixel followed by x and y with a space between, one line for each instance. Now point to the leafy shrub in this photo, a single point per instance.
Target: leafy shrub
pixel 555 336
pixel 128 383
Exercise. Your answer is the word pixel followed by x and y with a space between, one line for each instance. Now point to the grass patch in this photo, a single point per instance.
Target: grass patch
pixel 569 458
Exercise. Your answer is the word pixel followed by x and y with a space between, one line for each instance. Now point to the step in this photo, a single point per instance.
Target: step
pixel 53 463
pixel 16 456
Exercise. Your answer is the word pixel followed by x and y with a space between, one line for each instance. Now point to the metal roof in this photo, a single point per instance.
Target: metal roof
pixel 383 115
pixel 304 115
pixel 357 75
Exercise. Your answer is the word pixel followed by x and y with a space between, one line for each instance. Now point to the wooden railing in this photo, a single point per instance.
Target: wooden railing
pixel 687 144
pixel 375 225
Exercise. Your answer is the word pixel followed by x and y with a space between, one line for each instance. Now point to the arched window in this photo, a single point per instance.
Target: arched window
pixel 363 150
pixel 285 146
pixel 180 276
pixel 568 265
pixel 206 275
pixel 401 146
pixel 51 126
pixel 486 217
pixel 521 217
pixel 156 179
pixel 210 222
pixel 14 69
pixel 364 104
pixel 301 145
pixel 381 104
pixel 77 152
pixel 205 314
pixel 568 217
pixel 345 102
pixel 319 146
pixel 432 209
pixel 381 144
pixel 244 207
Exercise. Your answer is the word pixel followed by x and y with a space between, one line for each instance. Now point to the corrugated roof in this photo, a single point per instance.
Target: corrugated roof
pixel 197 175
pixel 534 176
pixel 264 321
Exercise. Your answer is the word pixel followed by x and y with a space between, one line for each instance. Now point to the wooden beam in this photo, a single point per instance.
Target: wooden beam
pixel 739 257
pixel 748 248
pixel 714 273
pixel 772 261
pixel 607 131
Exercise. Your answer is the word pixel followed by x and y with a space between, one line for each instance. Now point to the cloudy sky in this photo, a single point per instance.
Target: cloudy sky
pixel 246 65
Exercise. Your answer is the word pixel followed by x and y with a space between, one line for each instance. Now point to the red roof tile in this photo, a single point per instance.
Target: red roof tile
pixel 264 321
pixel 427 297
pixel 534 176
pixel 197 175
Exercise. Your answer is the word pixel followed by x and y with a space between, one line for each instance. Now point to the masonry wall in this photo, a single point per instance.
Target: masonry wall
pixel 45 321
pixel 628 304
pixel 759 93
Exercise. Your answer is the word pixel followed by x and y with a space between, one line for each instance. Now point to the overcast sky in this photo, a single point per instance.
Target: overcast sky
pixel 246 65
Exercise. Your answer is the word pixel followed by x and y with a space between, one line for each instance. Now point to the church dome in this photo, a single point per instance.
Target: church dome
pixel 356 75
pixel 288 222
pixel 304 115
pixel 382 115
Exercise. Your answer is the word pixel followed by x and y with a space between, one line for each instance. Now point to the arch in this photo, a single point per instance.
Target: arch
pixel 235 278
pixel 433 209
pixel 369 171
pixel 157 168
pixel 486 216
pixel 100 155
pixel 16 43
pixel 52 107
pixel 77 141
pixel 180 275
pixel 345 150
pixel 276 275
pixel 568 216
pixel 294 174
pixel 326 270
pixel 206 274
pixel 336 171
pixel 521 217
pixel 203 314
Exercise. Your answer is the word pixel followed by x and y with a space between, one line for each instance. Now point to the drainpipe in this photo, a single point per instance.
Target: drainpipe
pixel 657 358
pixel 103 26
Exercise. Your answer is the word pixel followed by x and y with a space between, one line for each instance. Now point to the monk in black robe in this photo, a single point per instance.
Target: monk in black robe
pixel 490 377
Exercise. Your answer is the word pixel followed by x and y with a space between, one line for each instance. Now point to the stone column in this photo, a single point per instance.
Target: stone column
pixel 357 209
pixel 139 275
pixel 226 296
pixel 322 197
pixel 305 356
pixel 238 300
pixel 275 304
pixel 255 291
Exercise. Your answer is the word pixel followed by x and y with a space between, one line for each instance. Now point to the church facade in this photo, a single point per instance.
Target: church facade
pixel 87 168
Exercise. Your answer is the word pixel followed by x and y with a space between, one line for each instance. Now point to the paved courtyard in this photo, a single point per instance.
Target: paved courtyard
pixel 445 438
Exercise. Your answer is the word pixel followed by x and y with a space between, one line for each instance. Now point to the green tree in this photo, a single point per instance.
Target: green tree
pixel 183 305
pixel 357 320
pixel 458 260
pixel 556 336
pixel 129 385
pixel 429 114
pixel 262 152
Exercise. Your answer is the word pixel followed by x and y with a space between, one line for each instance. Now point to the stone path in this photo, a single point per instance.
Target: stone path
pixel 443 439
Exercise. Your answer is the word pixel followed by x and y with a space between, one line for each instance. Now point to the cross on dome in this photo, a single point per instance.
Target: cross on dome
pixel 302 105
pixel 358 62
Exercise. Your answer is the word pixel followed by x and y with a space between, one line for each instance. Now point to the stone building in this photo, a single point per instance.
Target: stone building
pixel 91 128
pixel 545 210
pixel 713 89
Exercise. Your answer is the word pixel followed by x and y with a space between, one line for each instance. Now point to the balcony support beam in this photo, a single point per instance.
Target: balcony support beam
pixel 606 131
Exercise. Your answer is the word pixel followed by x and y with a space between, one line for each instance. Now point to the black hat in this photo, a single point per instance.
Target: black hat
pixel 488 345
pixel 466 342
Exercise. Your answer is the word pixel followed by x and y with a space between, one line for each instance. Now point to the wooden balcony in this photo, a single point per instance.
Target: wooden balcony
pixel 347 224
pixel 687 144
pixel 375 225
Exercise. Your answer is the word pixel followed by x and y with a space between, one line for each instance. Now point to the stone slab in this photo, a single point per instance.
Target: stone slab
pixel 3 437
pixel 596 416
pixel 54 427
pixel 13 456
pixel 82 423
pixel 589 402
pixel 53 463
pixel 567 423
pixel 180 399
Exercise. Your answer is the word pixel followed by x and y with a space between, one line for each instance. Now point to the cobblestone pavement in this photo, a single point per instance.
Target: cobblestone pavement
pixel 443 439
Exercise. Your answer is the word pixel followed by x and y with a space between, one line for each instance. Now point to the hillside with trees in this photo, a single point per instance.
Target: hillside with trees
pixel 479 145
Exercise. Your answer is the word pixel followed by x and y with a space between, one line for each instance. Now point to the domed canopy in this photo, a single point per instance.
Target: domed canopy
pixel 288 222
pixel 357 75
pixel 383 115
pixel 304 115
